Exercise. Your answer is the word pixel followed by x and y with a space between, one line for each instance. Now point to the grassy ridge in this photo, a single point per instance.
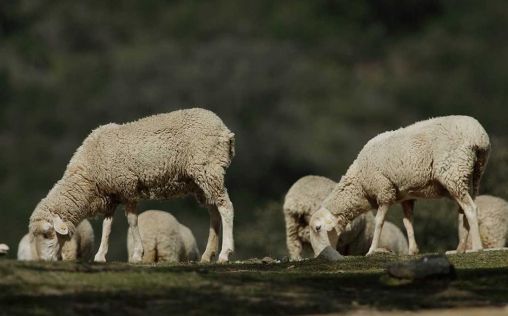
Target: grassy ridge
pixel 240 288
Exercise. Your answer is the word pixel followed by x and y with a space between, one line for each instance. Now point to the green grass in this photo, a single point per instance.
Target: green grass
pixel 240 288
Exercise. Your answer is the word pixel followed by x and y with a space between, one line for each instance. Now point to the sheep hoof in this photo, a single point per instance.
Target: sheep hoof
pixel 135 259
pixel 223 258
pixel 99 258
pixel 413 252
pixel 377 251
pixel 207 257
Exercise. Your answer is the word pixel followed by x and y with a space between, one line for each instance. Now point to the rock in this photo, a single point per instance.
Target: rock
pixel 253 261
pixel 268 260
pixel 330 254
pixel 435 266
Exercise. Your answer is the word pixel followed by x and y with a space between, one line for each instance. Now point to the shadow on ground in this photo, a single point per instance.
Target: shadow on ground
pixel 291 288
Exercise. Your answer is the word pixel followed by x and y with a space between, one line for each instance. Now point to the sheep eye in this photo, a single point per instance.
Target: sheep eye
pixel 46 235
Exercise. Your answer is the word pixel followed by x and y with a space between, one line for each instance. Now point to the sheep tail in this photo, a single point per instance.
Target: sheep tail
pixel 482 157
pixel 231 137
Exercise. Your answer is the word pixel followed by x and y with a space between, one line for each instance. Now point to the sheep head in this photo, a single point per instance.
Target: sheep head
pixel 323 230
pixel 48 236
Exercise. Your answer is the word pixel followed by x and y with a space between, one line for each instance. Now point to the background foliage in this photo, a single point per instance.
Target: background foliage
pixel 304 84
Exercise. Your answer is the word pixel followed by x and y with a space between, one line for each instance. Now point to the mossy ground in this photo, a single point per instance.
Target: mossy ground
pixel 356 283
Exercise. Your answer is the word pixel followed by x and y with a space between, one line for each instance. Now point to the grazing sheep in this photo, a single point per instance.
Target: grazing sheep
pixel 492 221
pixel 392 239
pixel 304 198
pixel 440 157
pixel 79 247
pixel 163 156
pixel 4 249
pixel 164 238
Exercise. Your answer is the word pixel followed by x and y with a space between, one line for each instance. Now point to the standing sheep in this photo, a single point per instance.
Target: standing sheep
pixel 492 222
pixel 164 239
pixel 440 157
pixel 304 198
pixel 163 156
pixel 79 247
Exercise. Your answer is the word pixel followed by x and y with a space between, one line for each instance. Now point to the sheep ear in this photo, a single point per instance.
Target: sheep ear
pixel 59 225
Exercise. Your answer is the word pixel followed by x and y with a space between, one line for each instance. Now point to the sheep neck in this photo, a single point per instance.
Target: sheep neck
pixel 73 198
pixel 347 201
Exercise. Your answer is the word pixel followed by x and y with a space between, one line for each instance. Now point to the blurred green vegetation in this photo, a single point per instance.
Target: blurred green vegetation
pixel 303 84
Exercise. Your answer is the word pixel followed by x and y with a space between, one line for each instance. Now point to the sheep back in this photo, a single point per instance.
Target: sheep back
pixel 161 237
pixel 492 222
pixel 158 157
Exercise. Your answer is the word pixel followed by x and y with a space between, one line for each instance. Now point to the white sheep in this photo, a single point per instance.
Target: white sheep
pixel 79 247
pixel 301 201
pixel 392 239
pixel 4 249
pixel 304 198
pixel 164 238
pixel 163 156
pixel 492 222
pixel 440 157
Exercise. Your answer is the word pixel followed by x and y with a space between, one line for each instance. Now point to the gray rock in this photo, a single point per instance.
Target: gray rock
pixel 330 254
pixel 435 266
pixel 268 260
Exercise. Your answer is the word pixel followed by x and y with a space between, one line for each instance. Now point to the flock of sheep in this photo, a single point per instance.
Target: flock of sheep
pixel 187 152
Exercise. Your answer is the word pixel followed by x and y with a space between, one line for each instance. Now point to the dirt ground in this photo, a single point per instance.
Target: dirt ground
pixel 354 286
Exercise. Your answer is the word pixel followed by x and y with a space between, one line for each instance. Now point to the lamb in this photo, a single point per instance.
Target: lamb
pixel 79 247
pixel 392 239
pixel 4 249
pixel 303 199
pixel 180 153
pixel 439 157
pixel 492 222
pixel 164 238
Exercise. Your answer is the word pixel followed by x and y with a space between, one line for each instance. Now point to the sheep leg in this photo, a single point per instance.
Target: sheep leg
pixel 380 219
pixel 132 219
pixel 106 231
pixel 213 236
pixel 227 214
pixel 292 240
pixel 469 208
pixel 407 207
pixel 463 233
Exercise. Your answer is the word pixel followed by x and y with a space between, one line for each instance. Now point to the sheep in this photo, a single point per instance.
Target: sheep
pixel 392 239
pixel 185 152
pixel 164 238
pixel 4 249
pixel 439 157
pixel 303 199
pixel 79 247
pixel 492 222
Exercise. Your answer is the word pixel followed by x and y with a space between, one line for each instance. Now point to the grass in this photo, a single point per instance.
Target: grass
pixel 241 288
